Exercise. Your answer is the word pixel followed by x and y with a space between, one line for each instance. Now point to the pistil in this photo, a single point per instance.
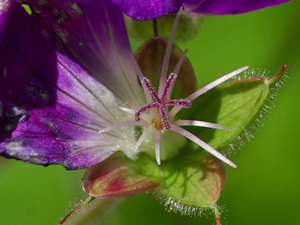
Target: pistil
pixel 157 123
pixel 162 103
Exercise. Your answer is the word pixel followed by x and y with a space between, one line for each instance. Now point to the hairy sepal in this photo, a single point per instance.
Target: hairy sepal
pixel 240 105
pixel 120 176
pixel 192 183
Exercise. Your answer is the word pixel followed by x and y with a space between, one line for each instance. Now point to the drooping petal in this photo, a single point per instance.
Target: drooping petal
pixel 225 7
pixel 57 89
pixel 148 9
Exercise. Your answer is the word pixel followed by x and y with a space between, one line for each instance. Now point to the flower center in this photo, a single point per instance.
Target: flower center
pixel 157 122
pixel 161 120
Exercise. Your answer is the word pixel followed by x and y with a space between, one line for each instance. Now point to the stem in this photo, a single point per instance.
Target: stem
pixel 217 215
pixel 155 30
pixel 87 201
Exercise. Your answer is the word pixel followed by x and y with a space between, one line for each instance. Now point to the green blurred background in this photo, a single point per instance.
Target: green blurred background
pixel 262 190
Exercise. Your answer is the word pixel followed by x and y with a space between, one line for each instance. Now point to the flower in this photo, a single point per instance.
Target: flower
pixel 63 102
pixel 77 99
pixel 52 107
pixel 160 120
pixel 149 9
pixel 72 93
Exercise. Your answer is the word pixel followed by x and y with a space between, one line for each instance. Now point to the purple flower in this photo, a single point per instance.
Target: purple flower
pixel 149 9
pixel 69 83
pixel 63 74
pixel 72 93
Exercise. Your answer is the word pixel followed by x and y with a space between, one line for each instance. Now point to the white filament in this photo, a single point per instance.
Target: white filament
pixel 206 88
pixel 202 144
pixel 165 65
pixel 200 124
pixel 157 146
pixel 142 137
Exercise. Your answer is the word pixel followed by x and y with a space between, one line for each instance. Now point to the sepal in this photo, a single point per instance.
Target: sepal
pixel 240 105
pixel 120 176
pixel 192 184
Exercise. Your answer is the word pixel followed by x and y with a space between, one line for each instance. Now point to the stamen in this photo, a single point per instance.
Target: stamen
pixel 200 124
pixel 157 146
pixel 165 65
pixel 141 77
pixel 127 110
pixel 180 61
pixel 176 70
pixel 142 137
pixel 206 88
pixel 202 144
pixel 215 83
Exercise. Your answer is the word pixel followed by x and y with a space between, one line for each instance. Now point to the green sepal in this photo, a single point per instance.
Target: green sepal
pixel 240 105
pixel 192 183
pixel 120 176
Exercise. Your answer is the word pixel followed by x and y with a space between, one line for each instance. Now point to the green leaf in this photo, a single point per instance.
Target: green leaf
pixel 191 183
pixel 241 105
pixel 120 176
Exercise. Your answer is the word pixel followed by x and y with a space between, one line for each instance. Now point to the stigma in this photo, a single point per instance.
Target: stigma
pixel 161 103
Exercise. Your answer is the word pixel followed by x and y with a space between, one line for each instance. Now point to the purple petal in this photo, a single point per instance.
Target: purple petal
pixel 224 7
pixel 51 109
pixel 148 9
pixel 94 34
